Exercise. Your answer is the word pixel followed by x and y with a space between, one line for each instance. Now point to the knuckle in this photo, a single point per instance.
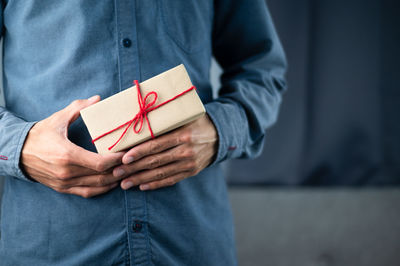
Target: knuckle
pixel 194 172
pixel 154 162
pixel 101 181
pixel 61 185
pixel 186 136
pixel 101 166
pixel 63 160
pixel 191 165
pixel 170 182
pixel 176 140
pixel 160 175
pixel 63 173
pixel 86 194
pixel 188 153
pixel 155 146
pixel 59 189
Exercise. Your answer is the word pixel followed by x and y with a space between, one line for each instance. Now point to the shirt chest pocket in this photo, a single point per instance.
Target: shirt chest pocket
pixel 187 22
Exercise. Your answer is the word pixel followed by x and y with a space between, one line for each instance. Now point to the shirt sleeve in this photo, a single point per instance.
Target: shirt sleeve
pixel 247 47
pixel 13 131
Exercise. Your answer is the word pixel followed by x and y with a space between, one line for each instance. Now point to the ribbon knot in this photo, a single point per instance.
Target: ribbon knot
pixel 145 107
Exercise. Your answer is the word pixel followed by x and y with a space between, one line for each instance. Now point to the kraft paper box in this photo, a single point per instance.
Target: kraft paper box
pixel 113 112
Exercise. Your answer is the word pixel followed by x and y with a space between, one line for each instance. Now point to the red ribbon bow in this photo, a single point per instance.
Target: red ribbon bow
pixel 144 109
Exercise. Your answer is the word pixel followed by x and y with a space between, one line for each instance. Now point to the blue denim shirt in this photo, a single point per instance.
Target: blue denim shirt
pixel 58 51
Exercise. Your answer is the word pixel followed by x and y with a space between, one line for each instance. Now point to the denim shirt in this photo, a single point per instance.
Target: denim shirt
pixel 59 51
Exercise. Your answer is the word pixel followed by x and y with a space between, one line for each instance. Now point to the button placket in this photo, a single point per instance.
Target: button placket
pixel 138 251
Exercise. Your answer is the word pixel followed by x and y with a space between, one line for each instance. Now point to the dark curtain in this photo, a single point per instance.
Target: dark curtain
pixel 339 122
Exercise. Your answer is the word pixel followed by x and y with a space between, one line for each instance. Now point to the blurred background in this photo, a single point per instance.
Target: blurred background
pixel 326 189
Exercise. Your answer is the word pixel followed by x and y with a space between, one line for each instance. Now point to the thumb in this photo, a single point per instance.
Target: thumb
pixel 72 111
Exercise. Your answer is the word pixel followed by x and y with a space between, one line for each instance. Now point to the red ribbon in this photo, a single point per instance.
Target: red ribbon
pixel 144 109
pixel 4 158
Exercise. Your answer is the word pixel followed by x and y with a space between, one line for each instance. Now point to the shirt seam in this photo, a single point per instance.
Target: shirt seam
pixel 128 257
pixel 137 43
pixel 149 253
pixel 119 36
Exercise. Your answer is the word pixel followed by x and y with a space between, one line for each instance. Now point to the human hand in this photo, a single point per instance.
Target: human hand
pixel 51 159
pixel 170 158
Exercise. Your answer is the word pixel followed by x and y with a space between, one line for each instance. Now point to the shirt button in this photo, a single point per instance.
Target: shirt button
pixel 137 226
pixel 126 42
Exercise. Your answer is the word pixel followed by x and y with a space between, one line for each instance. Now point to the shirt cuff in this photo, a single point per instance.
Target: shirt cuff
pixel 18 173
pixel 230 122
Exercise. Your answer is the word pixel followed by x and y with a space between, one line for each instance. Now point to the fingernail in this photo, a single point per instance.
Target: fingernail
pixel 127 185
pixel 144 187
pixel 129 160
pixel 93 98
pixel 119 172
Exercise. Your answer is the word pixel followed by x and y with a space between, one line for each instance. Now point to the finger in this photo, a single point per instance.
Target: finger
pixel 158 173
pixel 88 192
pixel 92 181
pixel 154 146
pixel 69 175
pixel 166 182
pixel 70 171
pixel 78 171
pixel 99 163
pixel 83 181
pixel 177 153
pixel 58 168
pixel 72 111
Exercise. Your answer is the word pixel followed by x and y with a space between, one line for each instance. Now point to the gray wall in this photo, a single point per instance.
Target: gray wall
pixel 339 119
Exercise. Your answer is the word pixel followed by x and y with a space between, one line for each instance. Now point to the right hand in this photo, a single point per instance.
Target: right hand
pixel 50 158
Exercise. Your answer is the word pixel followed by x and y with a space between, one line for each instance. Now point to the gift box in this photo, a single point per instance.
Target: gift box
pixel 144 111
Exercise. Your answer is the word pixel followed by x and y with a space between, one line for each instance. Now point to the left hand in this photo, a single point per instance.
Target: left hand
pixel 170 158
